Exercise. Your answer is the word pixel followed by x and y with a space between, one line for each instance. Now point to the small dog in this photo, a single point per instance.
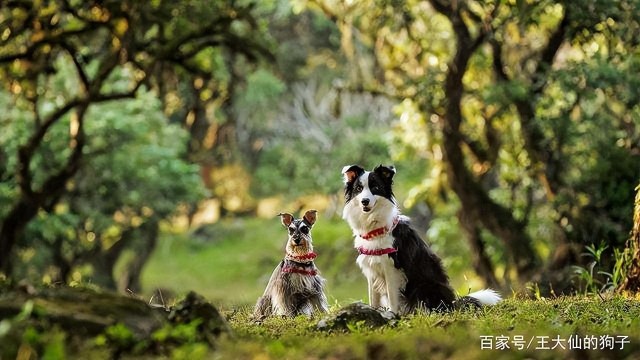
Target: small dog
pixel 295 287
pixel 402 272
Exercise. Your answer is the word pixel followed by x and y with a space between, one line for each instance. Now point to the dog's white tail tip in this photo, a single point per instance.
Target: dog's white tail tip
pixel 486 296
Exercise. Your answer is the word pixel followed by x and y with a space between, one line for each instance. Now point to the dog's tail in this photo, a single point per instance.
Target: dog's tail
pixel 478 299
pixel 485 297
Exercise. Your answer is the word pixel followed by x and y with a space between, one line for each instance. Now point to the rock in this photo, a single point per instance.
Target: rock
pixel 194 307
pixel 356 315
pixel 124 323
pixel 83 310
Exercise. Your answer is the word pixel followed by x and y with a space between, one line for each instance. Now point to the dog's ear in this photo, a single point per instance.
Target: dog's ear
pixel 351 172
pixel 286 219
pixel 386 172
pixel 310 217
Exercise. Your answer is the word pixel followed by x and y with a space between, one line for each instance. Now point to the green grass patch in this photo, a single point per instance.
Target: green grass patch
pixel 530 329
pixel 230 263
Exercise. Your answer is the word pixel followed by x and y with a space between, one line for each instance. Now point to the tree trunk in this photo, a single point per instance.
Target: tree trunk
pixel 148 240
pixel 481 262
pixel 631 283
pixel 476 203
pixel 11 229
pixel 104 262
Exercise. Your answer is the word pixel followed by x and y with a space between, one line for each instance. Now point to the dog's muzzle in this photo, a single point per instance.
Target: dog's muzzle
pixel 365 204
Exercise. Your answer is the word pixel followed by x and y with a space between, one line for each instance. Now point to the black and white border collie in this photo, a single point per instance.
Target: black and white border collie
pixel 403 274
pixel 295 287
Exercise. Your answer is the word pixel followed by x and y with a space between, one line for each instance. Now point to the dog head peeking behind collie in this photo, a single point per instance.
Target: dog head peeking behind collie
pixel 403 273
pixel 295 286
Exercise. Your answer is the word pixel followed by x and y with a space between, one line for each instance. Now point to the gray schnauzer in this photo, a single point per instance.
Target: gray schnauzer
pixel 295 287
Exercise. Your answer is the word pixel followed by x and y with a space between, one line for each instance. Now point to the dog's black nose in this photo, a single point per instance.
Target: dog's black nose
pixel 297 241
pixel 365 201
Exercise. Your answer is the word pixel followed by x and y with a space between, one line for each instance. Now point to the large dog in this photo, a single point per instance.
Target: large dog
pixel 295 286
pixel 403 273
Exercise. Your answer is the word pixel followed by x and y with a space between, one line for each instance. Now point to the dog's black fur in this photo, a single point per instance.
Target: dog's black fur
pixel 427 283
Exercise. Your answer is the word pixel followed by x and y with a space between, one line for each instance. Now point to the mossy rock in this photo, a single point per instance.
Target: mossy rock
pixel 83 310
pixel 355 316
pixel 82 315
pixel 194 307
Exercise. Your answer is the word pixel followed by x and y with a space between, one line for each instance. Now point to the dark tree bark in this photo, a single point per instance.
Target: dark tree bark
pixel 12 227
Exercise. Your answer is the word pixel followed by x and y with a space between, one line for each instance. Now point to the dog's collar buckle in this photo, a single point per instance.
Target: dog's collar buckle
pixel 376 252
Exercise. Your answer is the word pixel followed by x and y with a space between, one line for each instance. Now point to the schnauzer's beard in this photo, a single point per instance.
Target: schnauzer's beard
pixel 303 248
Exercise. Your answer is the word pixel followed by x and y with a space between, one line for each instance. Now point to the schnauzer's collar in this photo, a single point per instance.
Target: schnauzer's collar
pixel 302 270
pixel 381 231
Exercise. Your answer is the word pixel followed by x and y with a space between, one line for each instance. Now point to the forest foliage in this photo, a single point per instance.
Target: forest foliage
pixel 513 124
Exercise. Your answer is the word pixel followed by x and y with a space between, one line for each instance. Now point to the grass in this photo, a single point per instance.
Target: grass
pixel 230 262
pixel 533 325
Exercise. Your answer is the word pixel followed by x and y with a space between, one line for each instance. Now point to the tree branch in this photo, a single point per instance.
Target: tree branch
pixel 26 151
pixel 84 79
pixel 548 54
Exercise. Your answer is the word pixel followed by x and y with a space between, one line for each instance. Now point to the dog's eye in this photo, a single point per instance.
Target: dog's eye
pixel 292 230
pixel 358 187
pixel 304 230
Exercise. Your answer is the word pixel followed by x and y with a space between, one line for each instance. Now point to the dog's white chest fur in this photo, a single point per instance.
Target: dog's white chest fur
pixel 384 280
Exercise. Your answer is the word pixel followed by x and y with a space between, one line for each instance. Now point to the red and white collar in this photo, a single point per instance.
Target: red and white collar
pixel 380 231
pixel 299 270
pixel 376 252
